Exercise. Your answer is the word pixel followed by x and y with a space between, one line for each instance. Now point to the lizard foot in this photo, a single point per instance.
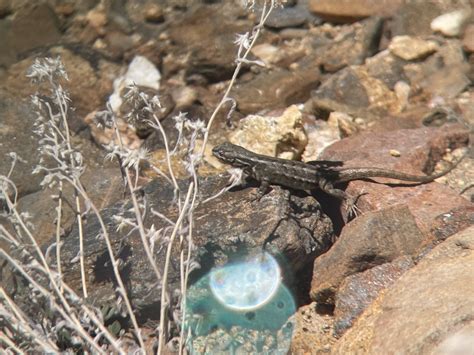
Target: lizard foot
pixel 261 191
pixel 256 197
pixel 351 205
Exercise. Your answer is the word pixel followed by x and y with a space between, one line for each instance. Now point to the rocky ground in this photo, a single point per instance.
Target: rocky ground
pixel 371 83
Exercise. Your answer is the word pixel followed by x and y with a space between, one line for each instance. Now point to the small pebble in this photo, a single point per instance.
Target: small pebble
pixel 154 14
pixel 395 153
pixel 451 23
pixel 410 48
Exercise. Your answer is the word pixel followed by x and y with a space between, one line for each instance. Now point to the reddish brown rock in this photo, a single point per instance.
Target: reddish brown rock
pixel 386 67
pixel 468 39
pixel 358 291
pixel 452 222
pixel 208 46
pixel 42 207
pixel 217 238
pixel 372 239
pixel 276 89
pixel 424 201
pixel 354 91
pixel 348 46
pixel 425 310
pixel 350 10
pixel 90 77
pixel 417 116
pixel 34 25
pixel 441 75
pixel 419 149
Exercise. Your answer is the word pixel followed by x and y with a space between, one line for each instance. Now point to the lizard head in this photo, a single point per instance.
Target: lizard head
pixel 231 154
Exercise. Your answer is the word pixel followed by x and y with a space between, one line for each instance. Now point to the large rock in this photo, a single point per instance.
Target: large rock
pixel 90 76
pixel 352 90
pixel 372 239
pixel 32 26
pixel 229 228
pixel 276 135
pixel 16 135
pixel 358 291
pixel 468 39
pixel 207 45
pixel 349 10
pixel 428 309
pixel 349 46
pixel 388 83
pixel 41 206
pixel 275 89
pixel 443 74
pixel 419 149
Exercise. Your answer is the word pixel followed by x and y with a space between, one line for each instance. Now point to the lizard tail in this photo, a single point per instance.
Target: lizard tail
pixel 348 174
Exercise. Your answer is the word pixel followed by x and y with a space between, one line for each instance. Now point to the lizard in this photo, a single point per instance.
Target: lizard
pixel 323 174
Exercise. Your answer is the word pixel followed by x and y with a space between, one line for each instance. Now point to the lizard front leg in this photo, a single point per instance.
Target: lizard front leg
pixel 260 176
pixel 262 189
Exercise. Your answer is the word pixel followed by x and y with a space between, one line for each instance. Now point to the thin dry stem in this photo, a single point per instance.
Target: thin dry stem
pixel 81 245
pixel 67 314
pixel 10 345
pixel 20 318
pixel 166 267
pixel 59 292
pixel 264 16
pixel 138 214
pixel 119 280
pixel 59 210
pixel 115 264
pixel 167 149
pixel 63 107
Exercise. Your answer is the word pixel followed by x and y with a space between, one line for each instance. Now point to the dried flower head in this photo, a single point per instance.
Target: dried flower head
pixel 141 105
pixel 50 69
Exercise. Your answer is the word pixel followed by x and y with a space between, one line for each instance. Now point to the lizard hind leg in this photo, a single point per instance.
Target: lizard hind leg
pixel 349 200
pixel 328 188
pixel 263 189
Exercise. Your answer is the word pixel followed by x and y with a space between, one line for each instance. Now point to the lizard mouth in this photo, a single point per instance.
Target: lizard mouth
pixel 230 154
pixel 221 153
pixel 217 153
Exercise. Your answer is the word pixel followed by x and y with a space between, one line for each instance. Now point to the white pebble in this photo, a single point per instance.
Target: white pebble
pixel 451 23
